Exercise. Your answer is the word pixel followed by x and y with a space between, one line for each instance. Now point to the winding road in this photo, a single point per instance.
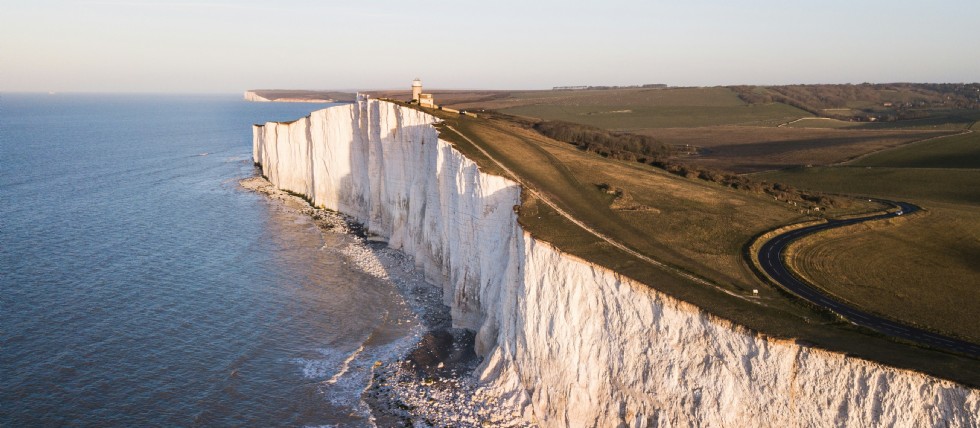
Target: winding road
pixel 771 259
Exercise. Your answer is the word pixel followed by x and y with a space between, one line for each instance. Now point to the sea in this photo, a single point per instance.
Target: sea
pixel 141 285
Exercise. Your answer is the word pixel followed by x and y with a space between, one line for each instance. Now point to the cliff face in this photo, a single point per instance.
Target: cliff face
pixel 298 96
pixel 570 342
pixel 252 96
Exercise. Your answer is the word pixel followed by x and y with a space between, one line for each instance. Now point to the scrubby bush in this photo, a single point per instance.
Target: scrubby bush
pixel 616 145
pixel 645 149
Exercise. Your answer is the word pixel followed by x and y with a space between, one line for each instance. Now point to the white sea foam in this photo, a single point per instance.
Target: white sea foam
pixel 345 366
pixel 319 368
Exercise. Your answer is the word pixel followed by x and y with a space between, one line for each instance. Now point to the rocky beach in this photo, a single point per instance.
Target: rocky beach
pixel 431 381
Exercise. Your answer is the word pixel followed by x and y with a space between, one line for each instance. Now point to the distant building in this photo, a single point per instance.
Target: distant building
pixel 425 100
pixel 416 89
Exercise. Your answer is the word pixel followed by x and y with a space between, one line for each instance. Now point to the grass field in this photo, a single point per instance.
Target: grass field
pixel 751 149
pixel 695 225
pixel 957 151
pixel 957 186
pixel 627 117
pixel 924 269
pixel 736 136
pixel 691 225
pixel 952 120
pixel 921 270
pixel 632 97
pixel 628 109
pixel 683 222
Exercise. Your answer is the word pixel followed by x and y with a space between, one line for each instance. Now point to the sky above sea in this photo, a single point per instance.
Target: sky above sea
pixel 221 46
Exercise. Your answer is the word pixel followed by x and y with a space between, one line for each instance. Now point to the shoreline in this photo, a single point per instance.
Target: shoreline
pixel 431 382
pixel 565 340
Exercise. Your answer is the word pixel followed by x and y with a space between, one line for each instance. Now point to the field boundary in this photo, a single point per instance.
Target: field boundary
pixel 783 125
pixel 857 158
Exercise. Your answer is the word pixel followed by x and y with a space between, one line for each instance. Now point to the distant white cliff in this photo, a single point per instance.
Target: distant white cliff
pixel 252 96
pixel 572 343
pixel 280 97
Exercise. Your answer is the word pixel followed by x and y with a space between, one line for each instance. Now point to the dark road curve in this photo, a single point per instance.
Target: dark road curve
pixel 771 259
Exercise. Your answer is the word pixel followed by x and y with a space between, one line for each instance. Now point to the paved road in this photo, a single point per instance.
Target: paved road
pixel 770 257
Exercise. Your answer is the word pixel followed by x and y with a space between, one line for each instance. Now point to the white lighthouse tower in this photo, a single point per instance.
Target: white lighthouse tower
pixel 416 89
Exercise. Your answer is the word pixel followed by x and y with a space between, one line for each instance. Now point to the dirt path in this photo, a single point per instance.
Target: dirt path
pixel 781 125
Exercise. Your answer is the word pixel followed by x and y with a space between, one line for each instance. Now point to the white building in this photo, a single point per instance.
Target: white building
pixel 416 89
pixel 424 100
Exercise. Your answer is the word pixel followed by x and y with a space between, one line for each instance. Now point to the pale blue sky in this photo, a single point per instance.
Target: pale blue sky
pixel 230 46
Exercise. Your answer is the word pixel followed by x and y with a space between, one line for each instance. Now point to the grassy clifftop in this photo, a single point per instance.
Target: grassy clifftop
pixel 698 229
pixel 921 271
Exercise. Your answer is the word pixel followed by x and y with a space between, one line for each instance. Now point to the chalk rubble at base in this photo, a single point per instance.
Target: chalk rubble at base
pixel 565 341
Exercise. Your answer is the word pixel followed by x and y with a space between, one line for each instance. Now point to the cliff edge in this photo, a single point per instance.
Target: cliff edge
pixel 298 96
pixel 570 342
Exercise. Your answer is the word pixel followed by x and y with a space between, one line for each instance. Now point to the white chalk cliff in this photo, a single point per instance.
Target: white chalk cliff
pixel 572 343
pixel 252 96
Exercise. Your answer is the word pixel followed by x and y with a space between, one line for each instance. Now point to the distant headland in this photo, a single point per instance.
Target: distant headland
pixel 299 96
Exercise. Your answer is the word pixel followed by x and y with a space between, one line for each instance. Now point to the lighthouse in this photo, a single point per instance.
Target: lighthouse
pixel 416 89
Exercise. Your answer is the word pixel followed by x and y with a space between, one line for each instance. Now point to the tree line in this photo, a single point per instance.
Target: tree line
pixel 891 101
pixel 650 151
pixel 616 145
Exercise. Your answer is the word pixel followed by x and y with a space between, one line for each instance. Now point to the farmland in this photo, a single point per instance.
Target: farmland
pixel 624 117
pixel 921 270
pixel 958 151
pixel 726 132
pixel 892 103
pixel 957 186
pixel 634 109
pixel 752 149
pixel 954 120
